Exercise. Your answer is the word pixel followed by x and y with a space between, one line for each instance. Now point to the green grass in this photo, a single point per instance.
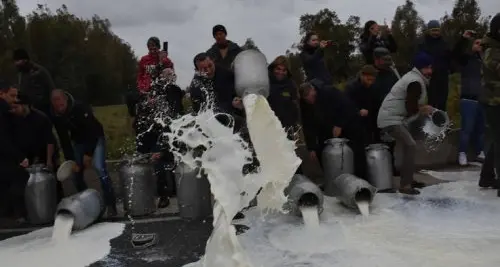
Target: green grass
pixel 120 136
pixel 118 129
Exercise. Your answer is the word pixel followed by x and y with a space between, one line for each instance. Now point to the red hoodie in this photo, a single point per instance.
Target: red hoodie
pixel 147 65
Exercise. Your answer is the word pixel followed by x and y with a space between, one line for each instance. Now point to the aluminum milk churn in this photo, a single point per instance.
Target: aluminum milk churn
pixel 302 192
pixel 251 75
pixel 40 195
pixel 379 162
pixel 193 193
pixel 337 158
pixel 86 207
pixel 138 182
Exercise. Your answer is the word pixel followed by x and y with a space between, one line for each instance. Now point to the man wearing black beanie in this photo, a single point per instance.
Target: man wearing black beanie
pixel 489 96
pixel 34 80
pixel 223 51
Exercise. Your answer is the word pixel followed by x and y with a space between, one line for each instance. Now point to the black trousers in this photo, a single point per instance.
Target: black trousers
pixel 13 181
pixel 492 160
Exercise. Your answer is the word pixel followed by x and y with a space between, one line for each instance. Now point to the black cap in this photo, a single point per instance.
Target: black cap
pixel 20 54
pixel 218 28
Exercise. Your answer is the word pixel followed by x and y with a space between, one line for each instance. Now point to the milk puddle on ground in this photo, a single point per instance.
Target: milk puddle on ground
pixel 363 207
pixel 38 248
pixel 63 226
pixel 310 216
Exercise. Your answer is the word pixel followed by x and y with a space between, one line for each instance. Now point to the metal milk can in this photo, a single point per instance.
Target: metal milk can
pixel 302 192
pixel 251 75
pixel 86 207
pixel 40 195
pixel 379 161
pixel 337 158
pixel 193 193
pixel 139 186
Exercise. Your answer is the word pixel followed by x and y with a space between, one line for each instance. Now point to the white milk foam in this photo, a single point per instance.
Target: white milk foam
pixel 310 216
pixel 449 224
pixel 63 225
pixel 80 249
pixel 364 207
pixel 223 159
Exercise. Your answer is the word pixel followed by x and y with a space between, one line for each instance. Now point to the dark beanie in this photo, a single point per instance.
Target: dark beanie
pixel 433 24
pixel 422 60
pixel 495 26
pixel 154 40
pixel 368 70
pixel 218 28
pixel 20 54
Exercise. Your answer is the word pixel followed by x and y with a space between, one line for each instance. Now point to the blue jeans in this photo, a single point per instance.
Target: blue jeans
pixel 473 125
pixel 99 163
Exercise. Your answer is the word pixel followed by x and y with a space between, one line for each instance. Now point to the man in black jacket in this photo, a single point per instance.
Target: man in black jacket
pixel 75 123
pixel 328 113
pixel 34 80
pixel 435 46
pixel 214 85
pixel 13 175
pixel 360 93
pixel 223 51
pixel 34 136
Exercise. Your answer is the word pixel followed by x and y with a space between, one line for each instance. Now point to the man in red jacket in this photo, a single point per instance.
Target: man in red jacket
pixel 151 65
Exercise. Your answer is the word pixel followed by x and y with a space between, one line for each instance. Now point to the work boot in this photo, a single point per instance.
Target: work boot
pixel 416 184
pixel 409 191
pixel 163 202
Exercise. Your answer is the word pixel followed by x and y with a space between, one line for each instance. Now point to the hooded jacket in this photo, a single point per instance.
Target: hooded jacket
pixel 225 62
pixel 369 43
pixel 77 124
pixel 490 91
pixel 470 64
pixel 314 64
pixel 150 67
pixel 283 96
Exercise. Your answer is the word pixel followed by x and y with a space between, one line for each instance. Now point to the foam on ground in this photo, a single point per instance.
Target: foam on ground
pixel 450 224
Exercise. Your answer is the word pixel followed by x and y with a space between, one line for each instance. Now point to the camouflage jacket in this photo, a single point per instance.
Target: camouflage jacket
pixel 490 92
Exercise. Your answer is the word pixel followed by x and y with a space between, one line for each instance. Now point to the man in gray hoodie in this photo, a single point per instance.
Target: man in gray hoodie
pixel 407 98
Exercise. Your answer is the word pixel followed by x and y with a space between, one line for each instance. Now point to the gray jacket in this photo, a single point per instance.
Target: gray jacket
pixel 393 110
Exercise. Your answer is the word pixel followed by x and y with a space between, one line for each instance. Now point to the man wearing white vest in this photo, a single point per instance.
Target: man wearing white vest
pixel 407 98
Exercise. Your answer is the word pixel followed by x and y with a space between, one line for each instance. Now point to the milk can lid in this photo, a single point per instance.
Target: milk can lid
pixel 334 141
pixel 377 147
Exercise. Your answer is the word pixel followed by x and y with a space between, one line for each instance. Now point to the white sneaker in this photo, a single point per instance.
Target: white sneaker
pixel 481 156
pixel 462 159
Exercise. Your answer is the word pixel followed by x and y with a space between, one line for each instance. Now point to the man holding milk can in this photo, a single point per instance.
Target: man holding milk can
pixel 406 99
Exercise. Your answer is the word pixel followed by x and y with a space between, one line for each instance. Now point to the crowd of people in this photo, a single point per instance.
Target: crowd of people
pixel 377 102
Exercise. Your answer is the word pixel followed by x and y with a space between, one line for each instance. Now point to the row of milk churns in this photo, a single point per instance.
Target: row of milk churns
pixel 338 159
pixel 138 182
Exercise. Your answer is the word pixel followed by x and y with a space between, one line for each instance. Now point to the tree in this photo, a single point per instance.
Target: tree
pixel 466 15
pixel 249 44
pixel 329 27
pixel 406 29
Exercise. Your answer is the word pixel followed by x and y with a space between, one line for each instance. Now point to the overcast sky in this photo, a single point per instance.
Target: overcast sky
pixel 187 24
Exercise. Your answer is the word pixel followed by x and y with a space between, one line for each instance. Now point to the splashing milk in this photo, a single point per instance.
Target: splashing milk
pixel 310 216
pixel 364 207
pixel 62 227
pixel 223 158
